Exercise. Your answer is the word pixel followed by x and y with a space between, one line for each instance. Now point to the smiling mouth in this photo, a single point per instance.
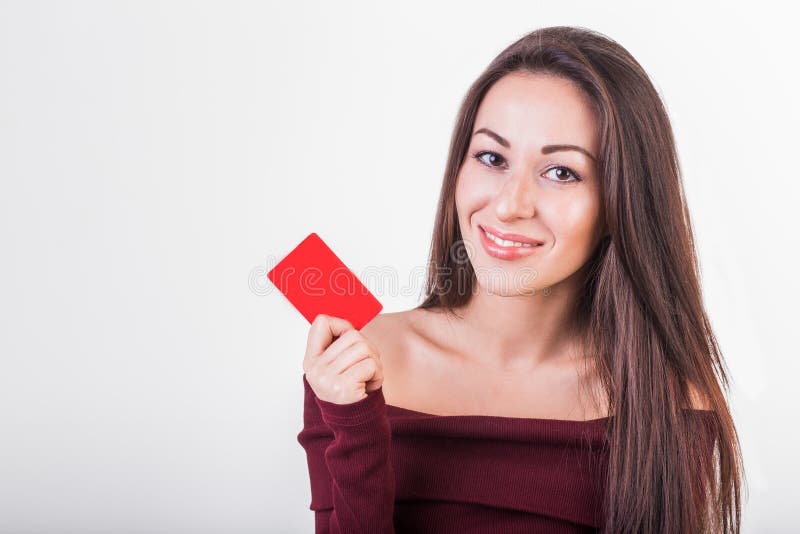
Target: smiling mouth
pixel 500 241
pixel 513 251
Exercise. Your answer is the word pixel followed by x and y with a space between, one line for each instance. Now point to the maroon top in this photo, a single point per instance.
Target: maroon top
pixel 380 468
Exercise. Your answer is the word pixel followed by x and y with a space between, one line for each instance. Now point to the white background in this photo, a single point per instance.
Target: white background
pixel 156 158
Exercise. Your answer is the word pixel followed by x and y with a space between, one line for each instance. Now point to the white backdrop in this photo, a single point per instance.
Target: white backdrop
pixel 156 158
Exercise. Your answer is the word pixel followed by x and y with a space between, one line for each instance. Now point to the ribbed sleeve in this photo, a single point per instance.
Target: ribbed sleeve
pixel 351 467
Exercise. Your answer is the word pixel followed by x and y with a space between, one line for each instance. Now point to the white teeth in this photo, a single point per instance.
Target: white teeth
pixel 505 242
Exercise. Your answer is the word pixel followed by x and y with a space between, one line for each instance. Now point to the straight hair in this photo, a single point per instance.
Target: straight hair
pixel 640 313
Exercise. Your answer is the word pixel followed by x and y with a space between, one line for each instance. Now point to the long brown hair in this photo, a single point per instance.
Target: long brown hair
pixel 640 312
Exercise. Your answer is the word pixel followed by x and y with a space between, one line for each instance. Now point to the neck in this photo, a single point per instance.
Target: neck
pixel 520 332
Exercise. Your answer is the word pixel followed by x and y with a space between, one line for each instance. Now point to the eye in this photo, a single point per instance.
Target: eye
pixel 479 156
pixel 493 157
pixel 568 171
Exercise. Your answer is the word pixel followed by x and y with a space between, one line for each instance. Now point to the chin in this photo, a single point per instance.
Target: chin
pixel 495 281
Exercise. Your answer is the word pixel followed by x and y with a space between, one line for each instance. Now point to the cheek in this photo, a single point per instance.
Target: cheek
pixel 575 222
pixel 473 192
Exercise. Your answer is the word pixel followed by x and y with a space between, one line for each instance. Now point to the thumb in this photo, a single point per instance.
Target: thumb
pixel 324 329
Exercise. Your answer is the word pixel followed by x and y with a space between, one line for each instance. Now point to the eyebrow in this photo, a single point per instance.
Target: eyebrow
pixel 547 149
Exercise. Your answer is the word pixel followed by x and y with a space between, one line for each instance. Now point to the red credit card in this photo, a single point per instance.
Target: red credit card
pixel 316 281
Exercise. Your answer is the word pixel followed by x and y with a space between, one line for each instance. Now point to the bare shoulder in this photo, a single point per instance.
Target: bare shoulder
pixel 398 330
pixel 383 327
pixel 402 339
pixel 387 331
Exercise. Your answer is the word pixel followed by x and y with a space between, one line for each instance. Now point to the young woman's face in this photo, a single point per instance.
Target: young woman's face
pixel 549 195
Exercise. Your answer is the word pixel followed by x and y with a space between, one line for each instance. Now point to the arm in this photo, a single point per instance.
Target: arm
pixel 348 448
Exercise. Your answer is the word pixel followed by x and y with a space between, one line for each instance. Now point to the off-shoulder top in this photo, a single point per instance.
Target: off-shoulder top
pixel 380 468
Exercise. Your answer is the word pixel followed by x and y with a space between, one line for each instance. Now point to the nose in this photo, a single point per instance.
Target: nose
pixel 517 198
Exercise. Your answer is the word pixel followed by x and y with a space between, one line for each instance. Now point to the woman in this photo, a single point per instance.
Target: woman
pixel 561 374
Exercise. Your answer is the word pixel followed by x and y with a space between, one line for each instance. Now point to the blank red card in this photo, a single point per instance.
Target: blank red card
pixel 316 281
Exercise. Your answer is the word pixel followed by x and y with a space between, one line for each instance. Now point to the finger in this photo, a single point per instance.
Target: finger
pixel 323 330
pixel 351 355
pixel 333 351
pixel 368 371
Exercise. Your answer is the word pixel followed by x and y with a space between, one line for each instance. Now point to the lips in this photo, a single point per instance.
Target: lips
pixel 511 237
pixel 501 252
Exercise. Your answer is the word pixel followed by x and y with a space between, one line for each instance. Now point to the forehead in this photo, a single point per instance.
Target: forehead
pixel 537 109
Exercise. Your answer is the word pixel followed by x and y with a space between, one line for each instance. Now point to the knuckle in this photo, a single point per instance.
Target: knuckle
pixel 311 374
pixel 312 329
pixel 351 334
pixel 321 379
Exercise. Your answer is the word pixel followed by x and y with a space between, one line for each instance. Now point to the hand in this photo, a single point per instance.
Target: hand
pixel 341 365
